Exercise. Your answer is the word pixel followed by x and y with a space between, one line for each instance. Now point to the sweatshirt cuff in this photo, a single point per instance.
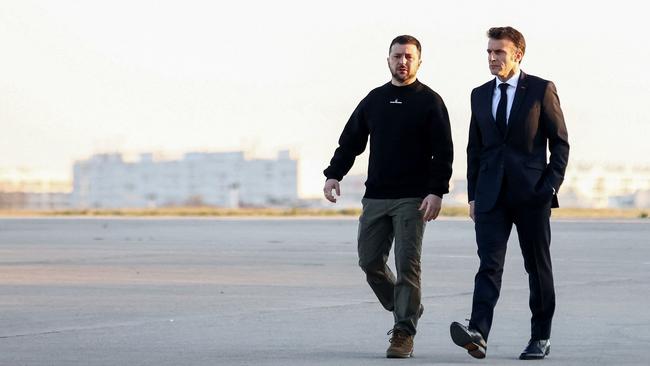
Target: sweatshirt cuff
pixel 333 177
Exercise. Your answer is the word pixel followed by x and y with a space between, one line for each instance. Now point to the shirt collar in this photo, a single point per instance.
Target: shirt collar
pixel 513 81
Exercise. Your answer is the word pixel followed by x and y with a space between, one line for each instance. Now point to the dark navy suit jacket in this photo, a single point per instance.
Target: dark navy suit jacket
pixel 535 124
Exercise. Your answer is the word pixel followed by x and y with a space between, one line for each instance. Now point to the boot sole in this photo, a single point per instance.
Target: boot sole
pixel 398 355
pixel 462 339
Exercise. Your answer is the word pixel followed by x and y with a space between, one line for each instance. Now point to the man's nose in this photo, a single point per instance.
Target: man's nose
pixel 402 60
pixel 491 56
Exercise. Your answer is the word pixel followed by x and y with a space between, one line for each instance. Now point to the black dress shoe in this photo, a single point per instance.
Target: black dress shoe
pixel 470 339
pixel 536 350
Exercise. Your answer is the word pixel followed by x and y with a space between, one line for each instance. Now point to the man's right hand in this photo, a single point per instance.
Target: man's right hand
pixel 471 210
pixel 331 184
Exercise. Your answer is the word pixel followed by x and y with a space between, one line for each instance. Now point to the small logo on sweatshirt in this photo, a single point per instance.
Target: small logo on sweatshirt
pixel 396 101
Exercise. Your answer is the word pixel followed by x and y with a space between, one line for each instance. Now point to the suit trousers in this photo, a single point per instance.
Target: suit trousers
pixel 381 222
pixel 492 232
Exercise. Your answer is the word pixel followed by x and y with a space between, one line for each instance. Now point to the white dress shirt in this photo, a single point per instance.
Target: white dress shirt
pixel 512 87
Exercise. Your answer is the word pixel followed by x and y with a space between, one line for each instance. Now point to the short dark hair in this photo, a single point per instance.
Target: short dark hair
pixel 508 33
pixel 406 39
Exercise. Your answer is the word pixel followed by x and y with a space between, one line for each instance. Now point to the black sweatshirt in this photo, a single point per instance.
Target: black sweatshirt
pixel 411 150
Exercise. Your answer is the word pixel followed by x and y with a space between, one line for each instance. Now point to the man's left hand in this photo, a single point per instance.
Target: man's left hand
pixel 431 206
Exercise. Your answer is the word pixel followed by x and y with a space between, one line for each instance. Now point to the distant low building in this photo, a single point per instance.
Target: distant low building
pixel 229 179
pixel 22 192
pixel 642 199
pixel 601 185
pixel 224 179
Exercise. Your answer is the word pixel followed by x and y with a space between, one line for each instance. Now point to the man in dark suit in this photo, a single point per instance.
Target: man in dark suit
pixel 515 117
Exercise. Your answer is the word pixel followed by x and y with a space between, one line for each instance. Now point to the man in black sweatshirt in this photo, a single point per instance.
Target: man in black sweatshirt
pixel 411 154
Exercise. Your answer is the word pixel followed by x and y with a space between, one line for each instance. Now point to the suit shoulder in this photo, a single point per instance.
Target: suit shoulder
pixel 482 88
pixel 485 86
pixel 537 81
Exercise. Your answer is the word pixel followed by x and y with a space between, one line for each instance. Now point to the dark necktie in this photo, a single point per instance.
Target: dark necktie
pixel 501 109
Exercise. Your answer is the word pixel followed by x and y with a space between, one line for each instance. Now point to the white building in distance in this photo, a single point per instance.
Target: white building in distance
pixel 22 189
pixel 603 185
pixel 224 179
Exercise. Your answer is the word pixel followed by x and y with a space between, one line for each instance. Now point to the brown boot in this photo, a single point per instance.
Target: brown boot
pixel 401 344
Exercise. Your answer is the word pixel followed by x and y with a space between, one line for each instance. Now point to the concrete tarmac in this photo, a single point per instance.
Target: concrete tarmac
pixel 112 291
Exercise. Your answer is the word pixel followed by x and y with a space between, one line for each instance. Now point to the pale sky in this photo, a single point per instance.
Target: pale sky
pixel 83 77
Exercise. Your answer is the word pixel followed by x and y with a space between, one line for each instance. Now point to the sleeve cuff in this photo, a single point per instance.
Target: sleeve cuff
pixel 438 192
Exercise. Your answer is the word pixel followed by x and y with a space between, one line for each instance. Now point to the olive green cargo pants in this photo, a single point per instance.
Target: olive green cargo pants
pixel 381 221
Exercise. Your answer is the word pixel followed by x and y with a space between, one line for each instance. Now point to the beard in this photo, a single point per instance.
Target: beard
pixel 401 77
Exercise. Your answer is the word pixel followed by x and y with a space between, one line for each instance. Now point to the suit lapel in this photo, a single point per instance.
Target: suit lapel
pixel 520 93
